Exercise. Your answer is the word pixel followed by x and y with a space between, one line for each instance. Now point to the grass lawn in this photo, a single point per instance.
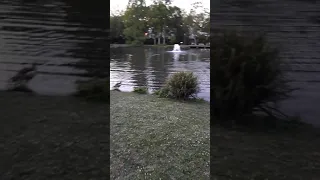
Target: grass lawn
pixel 243 155
pixel 52 138
pixel 151 138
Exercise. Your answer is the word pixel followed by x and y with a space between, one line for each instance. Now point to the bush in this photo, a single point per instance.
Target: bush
pixel 181 85
pixel 247 77
pixel 163 92
pixel 95 89
pixel 140 90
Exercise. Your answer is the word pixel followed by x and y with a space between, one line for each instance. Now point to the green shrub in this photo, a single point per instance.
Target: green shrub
pixel 95 89
pixel 140 90
pixel 246 77
pixel 181 85
pixel 163 92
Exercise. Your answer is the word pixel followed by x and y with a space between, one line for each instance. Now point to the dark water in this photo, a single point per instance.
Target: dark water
pixel 69 39
pixel 293 26
pixel 150 67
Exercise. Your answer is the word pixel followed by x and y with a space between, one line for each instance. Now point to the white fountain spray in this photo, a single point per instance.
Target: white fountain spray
pixel 176 47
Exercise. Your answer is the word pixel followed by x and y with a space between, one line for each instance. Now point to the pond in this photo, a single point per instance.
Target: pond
pixel 69 40
pixel 151 66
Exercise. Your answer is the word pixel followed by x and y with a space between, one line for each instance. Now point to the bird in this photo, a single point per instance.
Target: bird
pixel 117 85
pixel 25 74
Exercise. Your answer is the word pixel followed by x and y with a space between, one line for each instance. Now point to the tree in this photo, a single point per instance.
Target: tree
pixel 175 23
pixel 153 23
pixel 134 20
pixel 198 24
pixel 116 27
pixel 158 19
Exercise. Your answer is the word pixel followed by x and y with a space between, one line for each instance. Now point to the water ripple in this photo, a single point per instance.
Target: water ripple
pixel 152 66
pixel 66 40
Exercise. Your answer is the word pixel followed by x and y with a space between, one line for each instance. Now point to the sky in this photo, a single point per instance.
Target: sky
pixel 116 5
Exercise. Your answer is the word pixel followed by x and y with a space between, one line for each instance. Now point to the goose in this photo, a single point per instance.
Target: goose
pixel 25 74
pixel 117 85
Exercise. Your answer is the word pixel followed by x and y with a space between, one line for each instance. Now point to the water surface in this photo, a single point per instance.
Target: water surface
pixel 68 38
pixel 147 66
pixel 70 42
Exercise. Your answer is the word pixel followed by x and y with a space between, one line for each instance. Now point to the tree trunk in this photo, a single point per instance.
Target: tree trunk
pixel 159 38
pixel 164 37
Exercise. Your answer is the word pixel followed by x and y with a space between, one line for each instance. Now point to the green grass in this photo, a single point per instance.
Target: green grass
pixel 154 138
pixel 242 155
pixel 94 89
pixel 151 138
pixel 53 137
pixel 46 137
pixel 140 90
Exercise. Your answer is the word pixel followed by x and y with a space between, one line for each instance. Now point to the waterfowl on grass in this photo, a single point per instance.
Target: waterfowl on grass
pixel 25 74
pixel 116 86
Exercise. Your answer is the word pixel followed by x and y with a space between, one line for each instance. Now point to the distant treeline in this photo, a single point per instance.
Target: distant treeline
pixel 159 23
pixel 150 41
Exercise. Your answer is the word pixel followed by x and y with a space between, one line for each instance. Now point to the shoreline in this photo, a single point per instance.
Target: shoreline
pixel 157 45
pixel 143 45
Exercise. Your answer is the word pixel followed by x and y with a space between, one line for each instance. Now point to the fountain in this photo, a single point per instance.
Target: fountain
pixel 176 47
pixel 177 50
